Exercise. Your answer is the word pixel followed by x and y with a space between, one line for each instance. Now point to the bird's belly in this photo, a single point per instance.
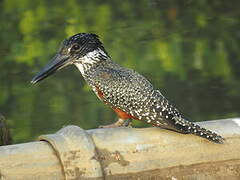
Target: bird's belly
pixel 122 114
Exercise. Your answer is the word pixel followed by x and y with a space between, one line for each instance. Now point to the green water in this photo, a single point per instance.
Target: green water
pixel 188 49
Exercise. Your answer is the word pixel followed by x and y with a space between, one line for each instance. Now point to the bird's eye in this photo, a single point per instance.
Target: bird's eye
pixel 75 47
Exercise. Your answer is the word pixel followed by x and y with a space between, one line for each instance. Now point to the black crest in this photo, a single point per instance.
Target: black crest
pixel 84 43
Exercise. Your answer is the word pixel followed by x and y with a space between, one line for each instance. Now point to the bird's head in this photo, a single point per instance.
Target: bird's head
pixel 83 50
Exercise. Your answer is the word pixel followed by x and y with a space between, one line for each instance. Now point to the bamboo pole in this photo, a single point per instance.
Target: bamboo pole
pixel 125 153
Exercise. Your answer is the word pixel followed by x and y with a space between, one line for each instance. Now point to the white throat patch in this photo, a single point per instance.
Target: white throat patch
pixel 89 59
pixel 96 54
pixel 80 67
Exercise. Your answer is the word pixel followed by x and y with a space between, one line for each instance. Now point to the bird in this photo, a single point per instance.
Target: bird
pixel 128 93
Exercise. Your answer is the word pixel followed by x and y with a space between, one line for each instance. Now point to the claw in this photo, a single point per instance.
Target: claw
pixel 119 123
pixel 128 123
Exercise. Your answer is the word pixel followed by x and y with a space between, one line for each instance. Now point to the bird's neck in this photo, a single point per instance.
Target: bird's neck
pixel 91 60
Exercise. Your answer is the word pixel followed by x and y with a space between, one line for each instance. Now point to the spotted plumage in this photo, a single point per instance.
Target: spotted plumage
pixel 127 92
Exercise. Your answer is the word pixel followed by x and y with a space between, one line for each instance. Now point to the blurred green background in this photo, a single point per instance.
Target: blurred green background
pixel 189 49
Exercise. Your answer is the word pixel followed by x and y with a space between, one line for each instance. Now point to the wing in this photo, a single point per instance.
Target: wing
pixel 132 93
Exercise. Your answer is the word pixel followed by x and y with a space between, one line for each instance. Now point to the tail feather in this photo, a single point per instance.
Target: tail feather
pixel 189 127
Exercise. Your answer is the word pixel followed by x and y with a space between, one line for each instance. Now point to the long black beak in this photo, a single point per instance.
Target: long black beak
pixel 59 61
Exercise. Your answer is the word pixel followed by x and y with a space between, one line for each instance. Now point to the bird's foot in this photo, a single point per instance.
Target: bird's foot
pixel 127 123
pixel 119 123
